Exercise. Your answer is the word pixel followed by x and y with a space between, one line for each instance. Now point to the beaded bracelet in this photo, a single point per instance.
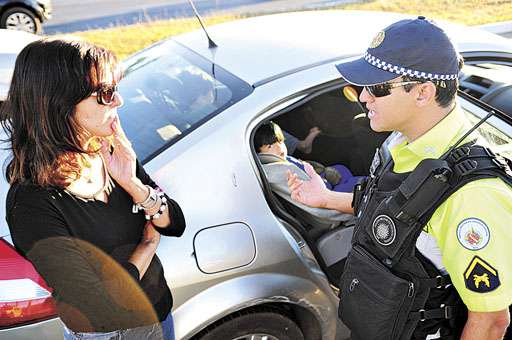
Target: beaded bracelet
pixel 149 203
pixel 162 208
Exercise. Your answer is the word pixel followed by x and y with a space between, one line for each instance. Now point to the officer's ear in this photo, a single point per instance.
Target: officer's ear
pixel 425 94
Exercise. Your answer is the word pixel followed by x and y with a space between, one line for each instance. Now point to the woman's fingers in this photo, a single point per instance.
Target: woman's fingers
pixel 119 136
pixel 105 152
pixel 121 142
pixel 150 233
pixel 119 132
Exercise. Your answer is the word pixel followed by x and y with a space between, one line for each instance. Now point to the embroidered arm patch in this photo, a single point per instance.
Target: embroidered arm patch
pixel 480 276
pixel 473 234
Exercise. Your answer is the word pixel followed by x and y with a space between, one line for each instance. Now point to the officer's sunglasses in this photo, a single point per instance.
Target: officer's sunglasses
pixel 384 89
pixel 105 94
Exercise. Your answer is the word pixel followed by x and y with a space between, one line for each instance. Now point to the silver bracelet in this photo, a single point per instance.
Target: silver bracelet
pixel 149 203
pixel 160 211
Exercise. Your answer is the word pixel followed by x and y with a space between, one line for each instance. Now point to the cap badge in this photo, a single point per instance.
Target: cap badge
pixel 379 38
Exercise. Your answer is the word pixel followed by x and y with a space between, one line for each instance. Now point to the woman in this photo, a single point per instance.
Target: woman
pixel 80 206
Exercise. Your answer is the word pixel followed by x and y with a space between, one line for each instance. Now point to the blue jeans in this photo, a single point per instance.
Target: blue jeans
pixel 159 331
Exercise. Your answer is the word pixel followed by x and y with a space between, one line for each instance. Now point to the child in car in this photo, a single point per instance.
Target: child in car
pixel 269 142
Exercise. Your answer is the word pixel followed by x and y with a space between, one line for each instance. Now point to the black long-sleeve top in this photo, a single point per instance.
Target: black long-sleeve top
pixel 81 248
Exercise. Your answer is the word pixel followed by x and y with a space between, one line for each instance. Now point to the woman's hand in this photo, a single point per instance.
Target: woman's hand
pixel 121 164
pixel 312 193
pixel 150 236
pixel 145 251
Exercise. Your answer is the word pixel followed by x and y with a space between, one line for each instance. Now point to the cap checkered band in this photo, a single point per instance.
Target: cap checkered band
pixel 405 71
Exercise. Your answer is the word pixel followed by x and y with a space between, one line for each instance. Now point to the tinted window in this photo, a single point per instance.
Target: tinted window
pixel 168 92
pixel 495 132
pixel 490 82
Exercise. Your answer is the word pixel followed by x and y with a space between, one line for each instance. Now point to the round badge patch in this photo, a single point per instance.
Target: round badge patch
pixel 384 230
pixel 379 38
pixel 473 234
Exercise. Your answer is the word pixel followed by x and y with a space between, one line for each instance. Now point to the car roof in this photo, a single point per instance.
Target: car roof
pixel 261 48
pixel 12 43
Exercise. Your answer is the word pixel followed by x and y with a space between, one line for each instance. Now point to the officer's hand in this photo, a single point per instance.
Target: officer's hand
pixel 312 192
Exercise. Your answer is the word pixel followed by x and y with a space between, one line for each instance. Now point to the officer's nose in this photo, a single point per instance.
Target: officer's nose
pixel 365 96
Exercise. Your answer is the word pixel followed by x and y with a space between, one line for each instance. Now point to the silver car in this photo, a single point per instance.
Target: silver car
pixel 249 266
pixel 12 43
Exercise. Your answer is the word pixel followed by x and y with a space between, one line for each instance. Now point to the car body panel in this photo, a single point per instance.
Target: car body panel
pixel 4 186
pixel 12 43
pixel 241 292
pixel 223 160
pixel 235 238
pixel 42 330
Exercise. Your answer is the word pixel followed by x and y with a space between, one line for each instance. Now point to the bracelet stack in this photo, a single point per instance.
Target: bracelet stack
pixel 162 208
pixel 150 203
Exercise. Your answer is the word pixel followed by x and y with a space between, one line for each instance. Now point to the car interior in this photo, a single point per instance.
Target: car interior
pixel 489 82
pixel 347 139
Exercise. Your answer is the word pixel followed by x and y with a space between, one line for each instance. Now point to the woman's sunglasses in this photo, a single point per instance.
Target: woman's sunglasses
pixel 384 89
pixel 105 94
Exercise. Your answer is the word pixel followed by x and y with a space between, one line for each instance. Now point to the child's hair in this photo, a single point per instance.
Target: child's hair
pixel 267 134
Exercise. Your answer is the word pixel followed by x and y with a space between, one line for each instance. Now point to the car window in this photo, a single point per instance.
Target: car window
pixel 169 91
pixel 491 82
pixel 496 132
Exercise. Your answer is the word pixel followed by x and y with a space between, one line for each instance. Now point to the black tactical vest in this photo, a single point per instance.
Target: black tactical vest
pixel 388 289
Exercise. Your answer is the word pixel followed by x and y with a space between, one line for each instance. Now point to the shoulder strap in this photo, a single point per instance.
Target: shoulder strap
pixel 470 158
pixel 470 163
pixel 434 180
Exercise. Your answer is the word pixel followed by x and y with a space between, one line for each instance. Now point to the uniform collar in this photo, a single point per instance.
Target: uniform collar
pixel 432 144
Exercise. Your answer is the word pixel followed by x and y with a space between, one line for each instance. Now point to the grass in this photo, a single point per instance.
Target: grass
pixel 468 12
pixel 125 40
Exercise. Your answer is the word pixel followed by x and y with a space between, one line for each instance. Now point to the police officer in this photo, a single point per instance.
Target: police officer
pixel 430 254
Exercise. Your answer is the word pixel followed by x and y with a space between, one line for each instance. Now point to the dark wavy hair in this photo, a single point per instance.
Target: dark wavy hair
pixel 51 76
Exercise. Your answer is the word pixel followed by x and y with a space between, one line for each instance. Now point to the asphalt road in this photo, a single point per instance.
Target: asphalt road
pixel 81 15
pixel 66 11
